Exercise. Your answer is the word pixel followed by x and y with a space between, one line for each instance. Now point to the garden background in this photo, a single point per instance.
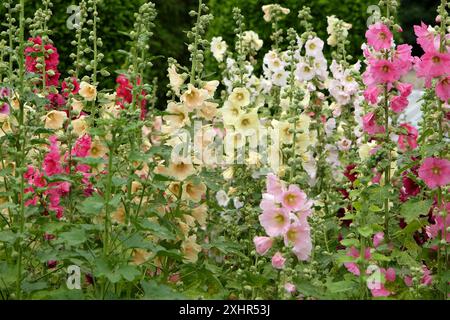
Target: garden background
pixel 173 18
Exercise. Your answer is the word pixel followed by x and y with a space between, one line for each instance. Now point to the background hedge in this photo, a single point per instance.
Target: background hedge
pixel 173 19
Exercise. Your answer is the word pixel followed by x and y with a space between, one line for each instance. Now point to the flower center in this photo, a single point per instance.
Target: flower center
pixel 382 36
pixel 385 68
pixel 279 218
pixel 290 198
pixel 436 170
pixel 436 59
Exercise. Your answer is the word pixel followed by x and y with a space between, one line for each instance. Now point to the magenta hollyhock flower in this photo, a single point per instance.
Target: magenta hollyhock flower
pixel 4 108
pixel 82 146
pixel 293 198
pixel 262 244
pixel 64 86
pixel 370 124
pixel 435 172
pixel 52 161
pixel 384 71
pixel 381 291
pixel 278 260
pixel 275 221
pixel 378 238
pixel 443 89
pixel 353 266
pixel 410 139
pixel 398 103
pixel 379 36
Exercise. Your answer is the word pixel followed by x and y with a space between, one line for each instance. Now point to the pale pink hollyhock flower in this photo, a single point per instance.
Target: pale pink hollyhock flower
pixel 268 202
pixel 378 238
pixel 299 234
pixel 435 172
pixel 379 36
pixel 278 261
pixel 398 103
pixel 274 185
pixel 443 89
pixel 293 198
pixel 275 221
pixel 384 71
pixel 370 124
pixel 290 288
pixel 410 139
pixel 262 244
pixel 353 266
pixel 408 281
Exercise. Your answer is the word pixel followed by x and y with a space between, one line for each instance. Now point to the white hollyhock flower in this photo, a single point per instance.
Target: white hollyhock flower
pixel 222 198
pixel 218 48
pixel 304 72
pixel 279 78
pixel 237 203
pixel 314 47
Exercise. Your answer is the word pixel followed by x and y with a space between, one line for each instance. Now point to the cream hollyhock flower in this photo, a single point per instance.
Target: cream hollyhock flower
pixel 252 40
pixel 175 79
pixel 80 126
pixel 211 87
pixel 88 91
pixel 193 97
pixel 118 216
pixel 303 122
pixel 77 106
pixel 200 214
pixel 179 115
pixel 140 256
pixel 240 97
pixel 190 249
pixel 271 10
pixel 55 119
pixel 98 149
pixel 284 128
pixel 180 169
pixel 364 149
pixel 230 113
pixel 248 122
pixel 208 111
pixel 218 48
pixel 193 191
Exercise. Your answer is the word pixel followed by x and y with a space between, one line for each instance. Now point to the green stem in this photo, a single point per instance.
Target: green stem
pixel 387 172
pixel 195 48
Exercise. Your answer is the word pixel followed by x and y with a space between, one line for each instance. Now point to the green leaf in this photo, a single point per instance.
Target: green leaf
pixel 74 237
pixel 8 236
pixel 34 286
pixel 350 242
pixel 155 291
pixel 413 209
pixel 365 231
pixel 92 205
pixel 129 272
pixel 157 229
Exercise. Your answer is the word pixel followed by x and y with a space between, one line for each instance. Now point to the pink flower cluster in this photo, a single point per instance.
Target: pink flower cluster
pixel 285 213
pixel 47 193
pixel 51 60
pixel 124 94
pixel 434 63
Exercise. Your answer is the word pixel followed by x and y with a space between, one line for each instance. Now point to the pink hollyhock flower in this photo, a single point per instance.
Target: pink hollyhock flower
pixel 378 238
pixel 440 225
pixel 278 260
pixel 389 274
pixel 290 288
pixel 435 172
pixel 398 103
pixel 384 71
pixel 275 221
pixel 427 278
pixel 274 186
pixel 380 292
pixel 293 198
pixel 262 244
pixel 299 234
pixel 268 202
pixel 353 266
pixel 379 36
pixel 427 40
pixel 4 108
pixel 403 59
pixel 433 65
pixel 443 89
pixel 76 85
pixel 370 124
pixel 410 137
pixel 125 95
pixel 409 189
pixel 82 146
pixel 408 281
pixel 52 160
pixel 405 89
pixel 371 94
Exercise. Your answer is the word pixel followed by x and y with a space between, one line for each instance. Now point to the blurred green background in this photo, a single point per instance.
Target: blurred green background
pixel 173 20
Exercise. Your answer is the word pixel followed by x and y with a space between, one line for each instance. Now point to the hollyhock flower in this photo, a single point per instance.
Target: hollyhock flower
pixel 427 278
pixel 52 161
pixel 262 244
pixel 240 97
pixel 435 172
pixel 222 198
pixel 57 101
pixel 274 186
pixel 404 89
pixel 293 198
pixel 88 91
pixel 82 146
pixel 290 288
pixel 349 173
pixel 299 235
pixel 410 137
pixel 378 238
pixel 381 291
pixel 218 48
pixel 426 37
pixel 433 65
pixel 384 71
pixel 194 98
pixel 51 56
pixel 371 94
pixel 75 84
pixel 409 189
pixel 443 89
pixel 353 266
pixel 275 221
pixel 440 225
pixel 370 124
pixel 55 119
pixel 278 260
pixel 379 36
pixel 403 59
